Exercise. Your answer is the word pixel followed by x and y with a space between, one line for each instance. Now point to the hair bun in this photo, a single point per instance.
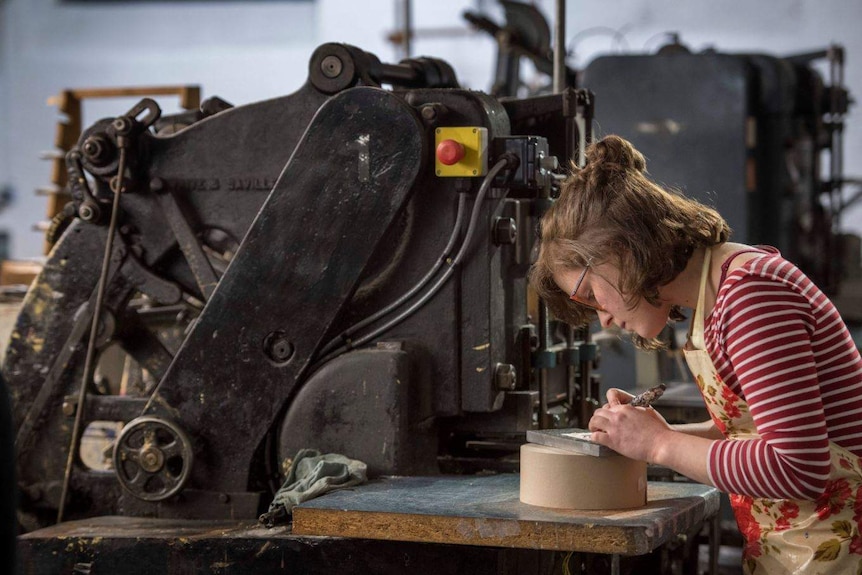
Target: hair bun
pixel 613 152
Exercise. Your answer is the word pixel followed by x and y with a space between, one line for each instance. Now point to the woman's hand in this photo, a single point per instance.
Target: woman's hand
pixel 618 397
pixel 636 432
pixel 642 433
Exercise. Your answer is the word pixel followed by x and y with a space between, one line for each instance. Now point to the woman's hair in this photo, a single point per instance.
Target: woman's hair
pixel 610 211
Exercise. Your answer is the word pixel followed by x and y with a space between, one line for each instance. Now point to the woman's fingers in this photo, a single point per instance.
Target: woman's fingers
pixel 618 396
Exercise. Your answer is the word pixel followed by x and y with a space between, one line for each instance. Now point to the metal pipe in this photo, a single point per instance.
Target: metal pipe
pixel 560 48
pixel 585 405
pixel 714 543
pixel 400 73
pixel 406 28
pixel 544 344
pixel 807 57
pixel 836 80
pixel 571 372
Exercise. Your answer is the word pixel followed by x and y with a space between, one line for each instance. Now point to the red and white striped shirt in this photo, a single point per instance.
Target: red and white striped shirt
pixel 781 345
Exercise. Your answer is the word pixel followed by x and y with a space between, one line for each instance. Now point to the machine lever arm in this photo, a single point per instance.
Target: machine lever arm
pixel 203 272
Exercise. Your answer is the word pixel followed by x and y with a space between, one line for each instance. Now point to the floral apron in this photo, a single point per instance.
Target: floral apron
pixel 782 535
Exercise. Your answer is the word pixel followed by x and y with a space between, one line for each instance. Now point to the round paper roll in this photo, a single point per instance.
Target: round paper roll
pixel 552 477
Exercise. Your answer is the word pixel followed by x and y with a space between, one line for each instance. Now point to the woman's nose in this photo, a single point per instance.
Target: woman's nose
pixel 605 319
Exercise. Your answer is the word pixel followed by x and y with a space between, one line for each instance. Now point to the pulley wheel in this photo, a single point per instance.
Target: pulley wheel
pixel 152 458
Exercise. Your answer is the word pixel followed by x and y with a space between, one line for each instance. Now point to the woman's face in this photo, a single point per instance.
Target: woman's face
pixel 598 288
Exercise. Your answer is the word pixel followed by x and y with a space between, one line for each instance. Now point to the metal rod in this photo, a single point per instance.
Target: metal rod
pixel 94 331
pixel 406 28
pixel 836 71
pixel 714 543
pixel 807 57
pixel 544 344
pixel 571 371
pixel 560 47
pixel 585 405
pixel 388 73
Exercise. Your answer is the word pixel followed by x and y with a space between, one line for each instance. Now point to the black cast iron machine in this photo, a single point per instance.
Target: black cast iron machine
pixel 342 268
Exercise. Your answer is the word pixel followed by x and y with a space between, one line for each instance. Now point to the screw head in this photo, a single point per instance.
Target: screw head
pixel 85 213
pixel 98 150
pixel 122 125
pixel 278 347
pixel 92 148
pixel 429 113
pixel 281 350
pixel 331 66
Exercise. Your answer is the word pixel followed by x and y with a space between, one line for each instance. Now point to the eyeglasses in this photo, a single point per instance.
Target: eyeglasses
pixel 593 305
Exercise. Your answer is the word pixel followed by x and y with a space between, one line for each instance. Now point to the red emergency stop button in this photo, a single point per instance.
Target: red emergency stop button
pixel 450 152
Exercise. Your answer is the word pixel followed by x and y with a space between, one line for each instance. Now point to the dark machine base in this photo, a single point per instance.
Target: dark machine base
pixel 134 546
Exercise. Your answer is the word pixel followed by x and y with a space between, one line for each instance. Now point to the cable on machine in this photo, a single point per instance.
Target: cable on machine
pixel 345 335
pixel 503 163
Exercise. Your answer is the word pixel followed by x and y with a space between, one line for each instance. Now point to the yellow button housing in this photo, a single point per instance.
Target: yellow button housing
pixel 475 160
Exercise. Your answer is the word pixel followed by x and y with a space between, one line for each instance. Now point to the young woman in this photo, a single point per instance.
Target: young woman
pixel 778 370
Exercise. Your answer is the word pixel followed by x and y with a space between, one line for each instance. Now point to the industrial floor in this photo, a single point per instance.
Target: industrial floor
pixel 729 560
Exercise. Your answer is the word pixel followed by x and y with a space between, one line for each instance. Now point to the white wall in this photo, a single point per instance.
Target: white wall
pixel 248 51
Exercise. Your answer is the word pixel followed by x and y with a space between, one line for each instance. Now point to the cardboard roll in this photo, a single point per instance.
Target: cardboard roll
pixel 552 477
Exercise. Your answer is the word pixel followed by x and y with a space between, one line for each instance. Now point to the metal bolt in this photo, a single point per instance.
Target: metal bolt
pixel 282 349
pixel 151 459
pixel 505 231
pixel 68 408
pixel 122 125
pixel 429 113
pixel 331 66
pixel 96 149
pixel 505 376
pixel 278 347
pixel 86 212
pixel 156 185
pixel 224 497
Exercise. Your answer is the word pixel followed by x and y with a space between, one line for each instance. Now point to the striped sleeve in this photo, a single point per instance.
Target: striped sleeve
pixel 766 341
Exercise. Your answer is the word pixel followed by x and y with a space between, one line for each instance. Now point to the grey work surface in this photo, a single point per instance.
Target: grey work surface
pixel 557 438
pixel 487 511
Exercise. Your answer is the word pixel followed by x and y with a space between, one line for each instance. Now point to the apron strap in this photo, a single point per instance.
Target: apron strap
pixel 695 329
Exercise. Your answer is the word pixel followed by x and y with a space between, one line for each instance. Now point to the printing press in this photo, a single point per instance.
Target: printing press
pixel 303 272
pixel 344 269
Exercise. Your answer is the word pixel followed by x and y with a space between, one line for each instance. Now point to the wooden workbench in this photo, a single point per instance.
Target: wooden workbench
pixel 486 511
pixel 457 524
